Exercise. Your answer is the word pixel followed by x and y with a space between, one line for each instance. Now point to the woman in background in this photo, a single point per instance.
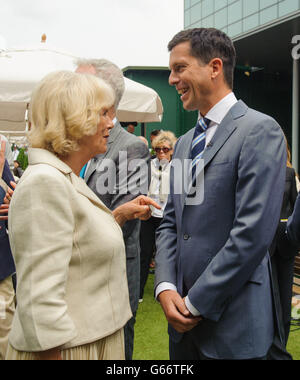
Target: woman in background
pixel 159 189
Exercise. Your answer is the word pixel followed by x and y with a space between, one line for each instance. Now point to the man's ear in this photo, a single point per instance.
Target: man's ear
pixel 216 65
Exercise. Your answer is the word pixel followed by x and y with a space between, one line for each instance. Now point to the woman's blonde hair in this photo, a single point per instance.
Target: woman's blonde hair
pixel 66 107
pixel 164 136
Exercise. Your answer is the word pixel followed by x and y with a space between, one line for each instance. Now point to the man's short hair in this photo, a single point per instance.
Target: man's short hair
pixel 110 73
pixel 209 43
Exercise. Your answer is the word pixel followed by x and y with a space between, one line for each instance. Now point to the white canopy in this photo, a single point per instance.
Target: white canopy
pixel 139 103
pixel 22 69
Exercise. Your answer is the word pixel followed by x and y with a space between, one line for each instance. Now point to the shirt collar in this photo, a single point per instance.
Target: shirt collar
pixel 220 110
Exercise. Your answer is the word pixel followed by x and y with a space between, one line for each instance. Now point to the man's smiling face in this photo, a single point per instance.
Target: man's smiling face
pixel 191 78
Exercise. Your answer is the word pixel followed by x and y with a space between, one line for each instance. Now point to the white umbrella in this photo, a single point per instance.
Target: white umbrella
pixel 22 69
pixel 140 103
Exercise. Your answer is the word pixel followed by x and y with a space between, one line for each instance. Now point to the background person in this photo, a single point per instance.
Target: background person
pixel 159 190
pixel 7 266
pixel 144 140
pixel 121 191
pixel 72 291
pixel 293 225
pixel 15 152
pixel 130 126
pixel 8 152
pixel 18 171
pixel 212 262
pixel 153 135
pixel 283 255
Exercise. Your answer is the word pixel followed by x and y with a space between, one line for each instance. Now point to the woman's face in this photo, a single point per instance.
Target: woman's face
pixel 164 151
pixel 97 144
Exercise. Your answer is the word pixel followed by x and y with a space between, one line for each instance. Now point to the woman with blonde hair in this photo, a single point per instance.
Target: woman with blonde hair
pixel 68 247
pixel 163 145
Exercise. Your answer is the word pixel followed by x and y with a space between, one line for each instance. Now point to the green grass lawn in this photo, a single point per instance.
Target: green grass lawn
pixel 151 337
pixel 294 342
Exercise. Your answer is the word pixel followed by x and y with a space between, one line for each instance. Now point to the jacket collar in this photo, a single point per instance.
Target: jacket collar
pixel 114 133
pixel 224 131
pixel 228 125
pixel 82 188
pixel 41 156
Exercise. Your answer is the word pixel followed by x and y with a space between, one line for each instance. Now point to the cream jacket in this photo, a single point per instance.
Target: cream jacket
pixel 70 259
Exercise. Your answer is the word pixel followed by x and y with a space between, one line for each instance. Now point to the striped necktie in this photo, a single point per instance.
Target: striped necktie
pixel 198 144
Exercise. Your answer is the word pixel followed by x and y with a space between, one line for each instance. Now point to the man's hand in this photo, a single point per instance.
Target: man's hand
pixel 176 311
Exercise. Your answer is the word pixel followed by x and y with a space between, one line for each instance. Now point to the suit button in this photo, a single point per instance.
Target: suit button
pixel 186 237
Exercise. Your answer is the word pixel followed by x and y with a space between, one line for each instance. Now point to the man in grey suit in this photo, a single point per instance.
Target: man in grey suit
pixel 212 261
pixel 124 153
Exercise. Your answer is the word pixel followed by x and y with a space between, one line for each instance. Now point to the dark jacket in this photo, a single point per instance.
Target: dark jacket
pixel 281 244
pixel 7 266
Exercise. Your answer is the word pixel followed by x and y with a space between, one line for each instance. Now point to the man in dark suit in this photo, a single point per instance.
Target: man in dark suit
pixel 212 262
pixel 7 266
pixel 122 156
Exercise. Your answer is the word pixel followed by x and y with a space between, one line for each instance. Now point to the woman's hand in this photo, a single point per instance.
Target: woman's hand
pixel 9 193
pixel 6 202
pixel 3 212
pixel 138 208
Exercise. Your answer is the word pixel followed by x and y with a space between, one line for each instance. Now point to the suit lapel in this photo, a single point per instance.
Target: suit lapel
pixel 82 188
pixel 92 164
pixel 222 134
pixel 95 161
pixel 224 131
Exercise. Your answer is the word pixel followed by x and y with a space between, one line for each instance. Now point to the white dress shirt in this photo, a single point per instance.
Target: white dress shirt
pixel 215 115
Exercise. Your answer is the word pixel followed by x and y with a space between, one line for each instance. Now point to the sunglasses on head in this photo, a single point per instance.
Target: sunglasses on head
pixel 165 150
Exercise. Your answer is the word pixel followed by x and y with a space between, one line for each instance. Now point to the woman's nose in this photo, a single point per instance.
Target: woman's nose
pixel 110 124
